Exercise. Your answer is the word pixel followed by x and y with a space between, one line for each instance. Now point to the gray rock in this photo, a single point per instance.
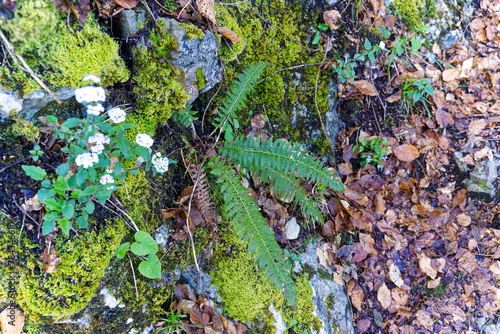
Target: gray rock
pixel 491 329
pixel 463 168
pixel 332 121
pixel 453 37
pixel 292 229
pixel 480 183
pixel 331 303
pixel 193 54
pixel 131 21
pixel 29 104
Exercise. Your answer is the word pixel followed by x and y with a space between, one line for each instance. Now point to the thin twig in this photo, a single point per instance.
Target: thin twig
pixel 131 220
pixel 15 163
pixel 208 106
pixel 26 67
pixel 21 231
pixel 135 283
pixel 229 4
pixel 187 4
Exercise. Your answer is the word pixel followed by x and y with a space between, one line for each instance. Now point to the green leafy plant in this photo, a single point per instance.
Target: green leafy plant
pixel 226 116
pixel 372 151
pixel 36 152
pixel 144 245
pixel 345 68
pixel 371 50
pixel 185 117
pixel 291 259
pixel 415 91
pixel 173 323
pixel 97 145
pixel 317 37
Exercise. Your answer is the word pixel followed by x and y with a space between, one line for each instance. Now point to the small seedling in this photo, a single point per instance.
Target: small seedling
pixel 372 151
pixel 36 152
pixel 321 27
pixel 292 258
pixel 345 68
pixel 414 91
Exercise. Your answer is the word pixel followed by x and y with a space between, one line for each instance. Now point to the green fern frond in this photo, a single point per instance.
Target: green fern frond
pixel 235 99
pixel 281 156
pixel 290 188
pixel 252 229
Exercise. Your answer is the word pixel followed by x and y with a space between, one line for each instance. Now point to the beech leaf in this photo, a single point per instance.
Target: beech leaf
pixel 365 87
pixel 406 152
pixel 229 34
pixel 128 4
pixel 384 296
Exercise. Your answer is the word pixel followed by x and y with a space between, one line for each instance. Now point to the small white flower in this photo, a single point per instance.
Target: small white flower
pixel 160 163
pixel 117 115
pixel 86 159
pixel 97 148
pixel 382 45
pixel 99 138
pixel 92 77
pixel 90 94
pixel 110 188
pixel 106 179
pixel 368 159
pixel 95 110
pixel 144 140
pixel 109 171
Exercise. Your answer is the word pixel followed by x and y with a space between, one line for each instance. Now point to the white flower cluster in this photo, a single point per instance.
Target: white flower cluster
pixel 95 110
pixel 117 115
pixel 86 159
pixel 144 140
pixel 99 140
pixel 160 163
pixel 90 94
pixel 107 179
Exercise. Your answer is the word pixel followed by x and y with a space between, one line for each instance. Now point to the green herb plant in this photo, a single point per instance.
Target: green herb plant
pixel 36 152
pixel 415 90
pixel 372 151
pixel 322 27
pixel 371 50
pixel 291 259
pixel 345 68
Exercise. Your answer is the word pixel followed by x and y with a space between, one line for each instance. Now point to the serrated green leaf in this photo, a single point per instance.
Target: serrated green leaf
pixel 65 225
pixel 62 169
pixel 82 222
pixel 48 226
pixel 68 210
pixel 36 173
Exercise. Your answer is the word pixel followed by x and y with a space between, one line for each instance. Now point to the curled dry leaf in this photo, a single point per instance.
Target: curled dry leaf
pixel 406 152
pixel 331 18
pixel 384 296
pixel 50 260
pixel 229 34
pixel 426 266
pixel 365 87
pixel 206 8
pixel 394 97
pixel 463 220
pixel 434 283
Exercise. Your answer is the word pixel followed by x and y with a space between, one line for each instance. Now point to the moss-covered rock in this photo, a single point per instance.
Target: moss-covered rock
pixel 59 54
pixel 84 259
pixel 413 12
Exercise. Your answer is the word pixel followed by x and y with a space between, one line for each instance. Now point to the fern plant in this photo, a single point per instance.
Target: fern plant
pixel 226 116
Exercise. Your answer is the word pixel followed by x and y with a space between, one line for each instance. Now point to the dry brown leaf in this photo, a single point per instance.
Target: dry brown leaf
pixel 438 264
pixel 50 261
pixel 400 296
pixel 206 8
pixel 395 275
pixel 450 74
pixel 11 321
pixel 128 4
pixel 357 297
pixel 443 118
pixel 384 296
pixel 434 283
pixel 331 18
pixel 495 267
pixel 476 126
pixel 229 34
pixel 426 266
pixel 33 204
pixel 436 49
pixel 322 252
pixel 406 152
pixel 345 168
pixel 394 97
pixel 477 24
pixel 463 220
pixel 365 87
pixel 425 319
pixel 484 152
pixel 466 67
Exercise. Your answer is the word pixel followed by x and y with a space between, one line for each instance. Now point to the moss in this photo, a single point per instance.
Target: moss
pixel 21 127
pixel 192 31
pixel 303 314
pixel 84 258
pixel 412 12
pixel 201 79
pixel 330 301
pixel 279 38
pixel 247 294
pixel 159 89
pixel 59 54
pixel 31 329
pixel 229 51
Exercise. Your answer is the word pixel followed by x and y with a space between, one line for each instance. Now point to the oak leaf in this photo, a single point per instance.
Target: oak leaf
pixel 406 152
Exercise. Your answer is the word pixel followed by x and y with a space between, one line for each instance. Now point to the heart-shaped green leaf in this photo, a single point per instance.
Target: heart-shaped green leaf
pixel 151 268
pixel 145 244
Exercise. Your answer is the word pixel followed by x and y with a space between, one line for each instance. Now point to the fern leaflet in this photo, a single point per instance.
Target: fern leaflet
pixel 281 156
pixel 252 229
pixel 235 100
